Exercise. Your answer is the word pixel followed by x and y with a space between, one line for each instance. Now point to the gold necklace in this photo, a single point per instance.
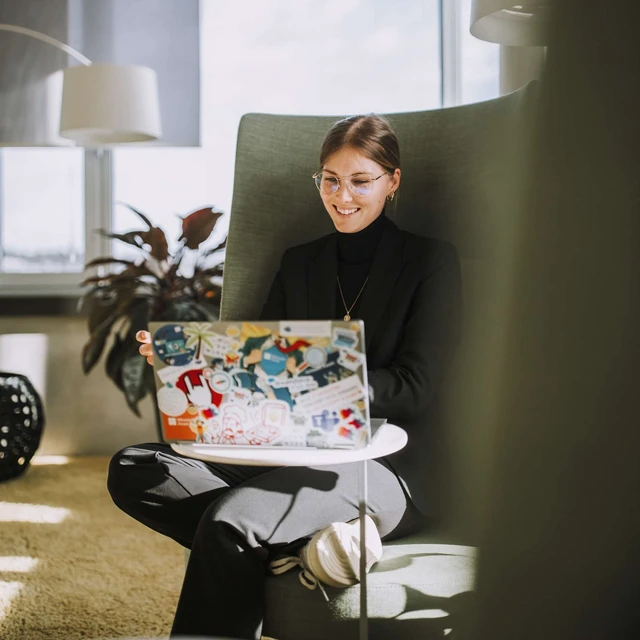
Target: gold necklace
pixel 347 316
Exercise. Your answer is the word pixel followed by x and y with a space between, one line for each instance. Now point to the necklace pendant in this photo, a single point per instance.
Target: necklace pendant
pixel 347 318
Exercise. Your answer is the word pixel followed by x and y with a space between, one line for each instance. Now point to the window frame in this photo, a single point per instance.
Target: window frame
pixel 98 180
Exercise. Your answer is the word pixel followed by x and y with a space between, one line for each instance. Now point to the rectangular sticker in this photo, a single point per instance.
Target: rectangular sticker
pixel 336 395
pixel 171 374
pixel 345 338
pixel 350 359
pixel 306 329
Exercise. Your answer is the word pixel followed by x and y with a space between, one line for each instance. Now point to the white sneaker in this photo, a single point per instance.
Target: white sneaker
pixel 332 556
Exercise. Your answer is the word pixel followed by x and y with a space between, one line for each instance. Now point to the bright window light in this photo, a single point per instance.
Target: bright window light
pixel 17 564
pixel 42 460
pixel 18 512
pixel 423 613
pixel 8 591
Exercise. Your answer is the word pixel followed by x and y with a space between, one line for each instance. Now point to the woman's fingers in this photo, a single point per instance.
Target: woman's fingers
pixel 143 336
pixel 145 349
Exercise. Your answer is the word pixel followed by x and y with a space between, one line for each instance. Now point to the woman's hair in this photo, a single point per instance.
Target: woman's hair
pixel 369 134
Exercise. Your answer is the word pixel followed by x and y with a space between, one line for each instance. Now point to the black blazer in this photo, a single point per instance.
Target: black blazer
pixel 411 308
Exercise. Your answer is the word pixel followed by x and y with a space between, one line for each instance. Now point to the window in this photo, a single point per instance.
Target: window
pixel 333 57
pixel 42 210
pixel 479 62
pixel 282 56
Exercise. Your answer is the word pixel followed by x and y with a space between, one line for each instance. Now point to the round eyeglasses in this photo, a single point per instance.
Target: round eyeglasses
pixel 359 185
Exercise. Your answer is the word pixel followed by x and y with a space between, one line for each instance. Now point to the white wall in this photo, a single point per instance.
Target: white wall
pixel 85 415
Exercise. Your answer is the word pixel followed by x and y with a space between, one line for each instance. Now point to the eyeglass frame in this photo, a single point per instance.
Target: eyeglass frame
pixel 348 181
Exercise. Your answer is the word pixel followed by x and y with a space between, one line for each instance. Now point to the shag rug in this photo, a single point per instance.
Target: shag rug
pixel 73 566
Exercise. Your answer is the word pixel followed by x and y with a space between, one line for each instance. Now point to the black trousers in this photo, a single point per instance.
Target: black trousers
pixel 233 518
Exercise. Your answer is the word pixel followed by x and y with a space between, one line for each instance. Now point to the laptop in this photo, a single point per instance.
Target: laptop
pixel 296 384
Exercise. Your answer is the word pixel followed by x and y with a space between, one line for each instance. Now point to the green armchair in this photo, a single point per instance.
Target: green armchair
pixel 423 584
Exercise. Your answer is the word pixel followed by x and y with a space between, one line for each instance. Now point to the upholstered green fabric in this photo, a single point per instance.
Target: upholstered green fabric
pixel 417 590
pixel 446 173
pixel 420 588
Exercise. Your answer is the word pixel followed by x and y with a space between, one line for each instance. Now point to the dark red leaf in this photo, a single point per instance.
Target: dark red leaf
pixel 198 225
pixel 131 237
pixel 156 239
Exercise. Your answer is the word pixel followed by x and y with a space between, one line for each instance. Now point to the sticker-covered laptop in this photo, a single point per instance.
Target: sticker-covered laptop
pixel 288 384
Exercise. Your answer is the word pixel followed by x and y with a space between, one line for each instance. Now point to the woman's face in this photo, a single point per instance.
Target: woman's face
pixel 351 213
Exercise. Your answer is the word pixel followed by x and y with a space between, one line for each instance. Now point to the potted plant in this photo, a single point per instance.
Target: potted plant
pixel 120 303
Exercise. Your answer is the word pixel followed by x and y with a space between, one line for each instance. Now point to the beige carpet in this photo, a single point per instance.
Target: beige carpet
pixel 79 567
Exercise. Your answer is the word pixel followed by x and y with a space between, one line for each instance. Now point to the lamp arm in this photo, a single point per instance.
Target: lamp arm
pixel 49 40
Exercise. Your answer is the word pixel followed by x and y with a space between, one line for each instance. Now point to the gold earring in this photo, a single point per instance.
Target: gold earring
pixel 391 196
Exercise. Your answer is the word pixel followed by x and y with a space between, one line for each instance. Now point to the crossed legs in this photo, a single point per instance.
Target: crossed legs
pixel 233 517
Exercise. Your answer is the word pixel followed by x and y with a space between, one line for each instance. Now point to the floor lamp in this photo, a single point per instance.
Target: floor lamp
pixel 101 104
pixel 522 31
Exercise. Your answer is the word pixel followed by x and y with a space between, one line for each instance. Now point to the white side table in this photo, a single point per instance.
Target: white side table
pixel 387 440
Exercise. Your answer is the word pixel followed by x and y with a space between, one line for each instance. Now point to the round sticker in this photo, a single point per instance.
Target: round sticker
pixel 220 382
pixel 170 344
pixel 315 357
pixel 172 402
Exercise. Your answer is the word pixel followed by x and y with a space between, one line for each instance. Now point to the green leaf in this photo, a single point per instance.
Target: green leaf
pixel 98 310
pixel 134 365
pixel 115 360
pixel 92 350
pixel 133 380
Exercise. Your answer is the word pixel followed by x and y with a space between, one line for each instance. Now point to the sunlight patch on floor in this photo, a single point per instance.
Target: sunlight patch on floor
pixel 8 591
pixel 19 512
pixel 42 460
pixel 18 564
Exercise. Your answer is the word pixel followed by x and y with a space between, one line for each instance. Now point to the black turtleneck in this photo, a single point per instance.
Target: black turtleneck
pixel 355 255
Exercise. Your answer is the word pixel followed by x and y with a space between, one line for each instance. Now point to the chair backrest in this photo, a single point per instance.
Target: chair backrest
pixel 447 174
pixel 452 188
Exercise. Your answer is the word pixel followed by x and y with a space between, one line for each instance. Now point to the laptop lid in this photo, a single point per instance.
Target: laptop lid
pixel 289 383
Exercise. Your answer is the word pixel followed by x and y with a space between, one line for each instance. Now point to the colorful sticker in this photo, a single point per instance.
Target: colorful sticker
pixel 172 401
pixel 344 338
pixel 351 359
pixel 255 383
pixel 315 357
pixel 170 344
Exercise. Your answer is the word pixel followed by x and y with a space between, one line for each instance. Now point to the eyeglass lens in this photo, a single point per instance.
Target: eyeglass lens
pixel 329 184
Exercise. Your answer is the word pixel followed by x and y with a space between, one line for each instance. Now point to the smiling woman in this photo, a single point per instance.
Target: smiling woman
pixel 360 161
pixel 407 290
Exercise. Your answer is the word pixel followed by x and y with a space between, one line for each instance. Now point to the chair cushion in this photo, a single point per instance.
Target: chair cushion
pixel 418 589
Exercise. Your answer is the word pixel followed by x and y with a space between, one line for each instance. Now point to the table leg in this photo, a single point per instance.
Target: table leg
pixel 364 619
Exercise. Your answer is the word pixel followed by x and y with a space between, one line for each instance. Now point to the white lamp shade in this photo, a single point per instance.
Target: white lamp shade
pixel 104 104
pixel 510 22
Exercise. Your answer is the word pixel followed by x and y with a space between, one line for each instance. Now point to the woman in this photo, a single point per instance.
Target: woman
pixel 407 291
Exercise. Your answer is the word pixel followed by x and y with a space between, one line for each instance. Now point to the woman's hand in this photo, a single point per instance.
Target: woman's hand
pixel 145 349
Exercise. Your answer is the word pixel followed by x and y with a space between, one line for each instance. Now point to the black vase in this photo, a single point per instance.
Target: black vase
pixel 21 424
